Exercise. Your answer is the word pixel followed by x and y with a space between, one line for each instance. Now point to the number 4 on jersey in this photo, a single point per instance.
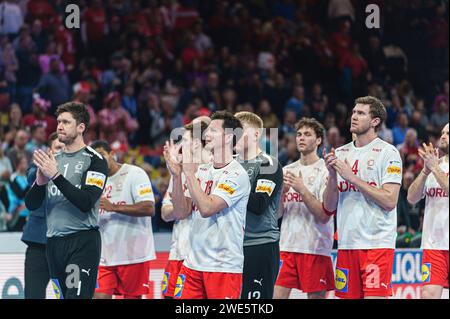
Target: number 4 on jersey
pixel 355 167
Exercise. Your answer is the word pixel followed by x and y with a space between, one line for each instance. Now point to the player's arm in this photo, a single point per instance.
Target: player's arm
pixel 92 184
pixel 312 203
pixel 331 193
pixel 140 209
pixel 182 205
pixel 416 189
pixel 207 205
pixel 36 194
pixel 441 178
pixel 266 187
pixel 387 196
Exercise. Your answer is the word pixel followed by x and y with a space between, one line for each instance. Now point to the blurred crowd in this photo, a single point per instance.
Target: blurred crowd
pixel 147 67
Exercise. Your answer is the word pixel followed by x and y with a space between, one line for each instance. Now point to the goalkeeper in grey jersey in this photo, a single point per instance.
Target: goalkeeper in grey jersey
pixel 261 239
pixel 70 184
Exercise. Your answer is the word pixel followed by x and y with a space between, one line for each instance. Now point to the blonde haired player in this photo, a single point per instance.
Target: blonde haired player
pixel 432 183
pixel 177 202
pixel 126 210
pixel 306 230
pixel 363 185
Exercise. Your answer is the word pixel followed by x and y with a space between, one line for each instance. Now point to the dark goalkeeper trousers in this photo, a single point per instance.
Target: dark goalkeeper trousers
pixel 261 265
pixel 73 262
pixel 36 271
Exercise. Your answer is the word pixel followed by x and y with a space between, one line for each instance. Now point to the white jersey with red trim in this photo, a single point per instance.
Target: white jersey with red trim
pixel 435 223
pixel 126 239
pixel 362 224
pixel 217 241
pixel 301 231
pixel 179 247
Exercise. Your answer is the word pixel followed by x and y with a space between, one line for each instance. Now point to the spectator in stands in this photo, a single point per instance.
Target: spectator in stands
pixel 297 101
pixel 11 18
pixel 440 118
pixel 29 72
pixel 10 65
pixel 38 139
pixel 82 92
pixel 400 128
pixel 18 150
pixel 16 190
pixel 269 118
pixel 409 151
pixel 55 86
pixel 333 139
pixel 40 116
pixel 6 168
pixel 115 123
pixel 288 127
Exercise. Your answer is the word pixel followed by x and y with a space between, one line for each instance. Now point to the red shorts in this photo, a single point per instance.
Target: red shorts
pixel 435 267
pixel 192 284
pixel 131 280
pixel 306 272
pixel 170 277
pixel 363 273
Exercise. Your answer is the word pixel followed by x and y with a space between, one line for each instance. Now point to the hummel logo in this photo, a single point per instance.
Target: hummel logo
pixel 384 285
pixel 86 271
pixel 145 285
pixel 323 281
pixel 258 281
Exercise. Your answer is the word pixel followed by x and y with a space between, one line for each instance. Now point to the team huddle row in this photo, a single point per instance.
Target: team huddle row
pixel 225 198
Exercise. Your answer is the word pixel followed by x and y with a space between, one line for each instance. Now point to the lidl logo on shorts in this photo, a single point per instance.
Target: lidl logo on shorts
pixel 95 179
pixel 230 190
pixel 144 189
pixel 165 282
pixel 341 280
pixel 426 272
pixel 179 286
pixel 57 289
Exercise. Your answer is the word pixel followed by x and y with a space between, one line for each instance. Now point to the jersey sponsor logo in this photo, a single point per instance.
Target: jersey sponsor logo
pixel 144 189
pixel 377 150
pixel 436 192
pixel 226 188
pixel 95 179
pixel 87 154
pixel 343 150
pixel 426 272
pixel 293 197
pixel 57 289
pixel 370 164
pixel 345 186
pixel 394 170
pixel 265 186
pixel 341 279
pixel 394 167
pixel 179 286
pixel 165 282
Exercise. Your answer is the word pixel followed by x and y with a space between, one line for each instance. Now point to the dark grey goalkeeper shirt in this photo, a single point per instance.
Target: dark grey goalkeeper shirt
pixel 266 178
pixel 72 199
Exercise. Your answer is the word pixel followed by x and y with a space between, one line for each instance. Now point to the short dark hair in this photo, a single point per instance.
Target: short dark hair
pixel 229 122
pixel 34 127
pixel 377 108
pixel 203 126
pixel 312 123
pixel 51 138
pixel 78 110
pixel 101 144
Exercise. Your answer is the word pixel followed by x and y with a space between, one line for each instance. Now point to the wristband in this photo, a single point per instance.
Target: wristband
pixel 328 212
pixel 54 176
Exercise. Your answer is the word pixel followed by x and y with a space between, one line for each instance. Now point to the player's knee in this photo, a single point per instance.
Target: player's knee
pixel 430 293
